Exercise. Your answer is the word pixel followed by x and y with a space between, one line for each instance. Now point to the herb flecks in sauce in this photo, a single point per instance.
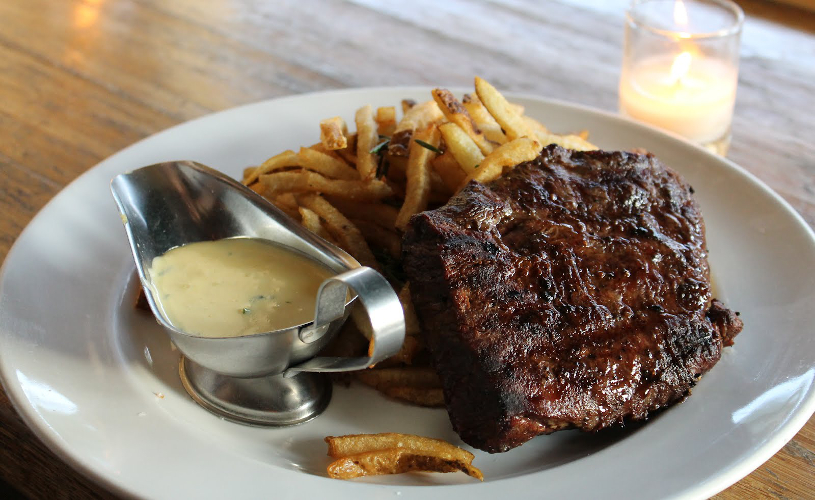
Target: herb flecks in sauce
pixel 235 287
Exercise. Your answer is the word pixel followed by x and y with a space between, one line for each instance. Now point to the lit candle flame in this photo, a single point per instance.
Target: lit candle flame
pixel 680 13
pixel 680 66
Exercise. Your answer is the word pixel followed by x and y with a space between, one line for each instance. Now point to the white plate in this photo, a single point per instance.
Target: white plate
pixel 98 382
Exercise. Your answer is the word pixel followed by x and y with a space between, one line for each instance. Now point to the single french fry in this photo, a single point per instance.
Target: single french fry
pixel 420 396
pixel 311 221
pixel 333 132
pixel 416 118
pixel 367 138
pixel 397 166
pixel 379 237
pixel 343 446
pixel 505 156
pixel 456 113
pixel 385 120
pixel 304 181
pixel 343 230
pixel 348 343
pixel 382 378
pixel 449 170
pixel 407 104
pixel 349 153
pixel 397 187
pixel 287 158
pixel 504 113
pixel 418 174
pixel 438 189
pixel 411 347
pixel 380 214
pixel 325 164
pixel 359 316
pixel 395 461
pixel 365 454
pixel 284 202
pixel 486 123
pixel 247 172
pixel 411 320
pixel 460 144
pixel 570 141
pixel 320 147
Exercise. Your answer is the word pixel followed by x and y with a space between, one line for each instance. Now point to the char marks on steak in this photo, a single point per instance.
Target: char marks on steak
pixel 573 292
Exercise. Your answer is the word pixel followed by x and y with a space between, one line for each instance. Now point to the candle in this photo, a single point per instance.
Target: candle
pixel 692 96
pixel 680 67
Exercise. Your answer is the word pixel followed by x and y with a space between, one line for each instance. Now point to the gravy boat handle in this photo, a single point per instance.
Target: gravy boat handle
pixel 384 311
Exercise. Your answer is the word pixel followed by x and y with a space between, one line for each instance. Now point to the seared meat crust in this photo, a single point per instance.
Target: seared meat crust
pixel 572 292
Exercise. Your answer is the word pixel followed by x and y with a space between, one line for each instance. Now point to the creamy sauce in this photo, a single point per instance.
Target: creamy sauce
pixel 235 287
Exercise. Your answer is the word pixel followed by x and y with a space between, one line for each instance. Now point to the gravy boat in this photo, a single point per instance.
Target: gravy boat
pixel 273 378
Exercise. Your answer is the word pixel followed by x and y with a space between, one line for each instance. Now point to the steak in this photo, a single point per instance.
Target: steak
pixel 573 292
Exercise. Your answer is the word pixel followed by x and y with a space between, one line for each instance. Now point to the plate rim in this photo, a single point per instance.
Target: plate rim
pixel 713 485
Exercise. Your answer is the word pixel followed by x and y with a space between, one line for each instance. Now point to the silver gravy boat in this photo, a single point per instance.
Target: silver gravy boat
pixel 273 378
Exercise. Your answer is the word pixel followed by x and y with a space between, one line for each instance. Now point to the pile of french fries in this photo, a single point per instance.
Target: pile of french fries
pixel 359 189
pixel 359 455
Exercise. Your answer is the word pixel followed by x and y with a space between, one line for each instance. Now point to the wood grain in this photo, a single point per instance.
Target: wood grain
pixel 81 79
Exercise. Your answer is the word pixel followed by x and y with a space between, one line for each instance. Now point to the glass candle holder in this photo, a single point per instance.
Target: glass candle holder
pixel 680 67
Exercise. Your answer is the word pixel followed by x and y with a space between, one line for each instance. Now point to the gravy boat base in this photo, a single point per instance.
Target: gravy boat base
pixel 273 400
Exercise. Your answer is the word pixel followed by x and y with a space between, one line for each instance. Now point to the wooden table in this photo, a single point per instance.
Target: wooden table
pixel 81 79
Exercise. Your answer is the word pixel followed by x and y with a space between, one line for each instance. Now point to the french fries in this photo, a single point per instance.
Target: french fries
pixel 285 202
pixel 360 455
pixel 418 117
pixel 418 174
pixel 342 229
pixel 285 159
pixel 432 397
pixel 325 164
pixel 305 181
pixel 359 188
pixel 486 123
pixel 456 113
pixel 382 378
pixel 380 214
pixel 504 113
pixel 451 174
pixel 311 221
pixel 381 238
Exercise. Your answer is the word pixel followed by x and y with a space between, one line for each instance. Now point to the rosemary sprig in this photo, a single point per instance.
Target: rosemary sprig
pixel 428 146
pixel 376 150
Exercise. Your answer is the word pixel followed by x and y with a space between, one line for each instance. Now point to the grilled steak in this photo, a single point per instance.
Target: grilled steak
pixel 573 292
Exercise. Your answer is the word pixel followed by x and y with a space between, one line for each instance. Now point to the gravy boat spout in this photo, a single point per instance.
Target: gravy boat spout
pixel 266 378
